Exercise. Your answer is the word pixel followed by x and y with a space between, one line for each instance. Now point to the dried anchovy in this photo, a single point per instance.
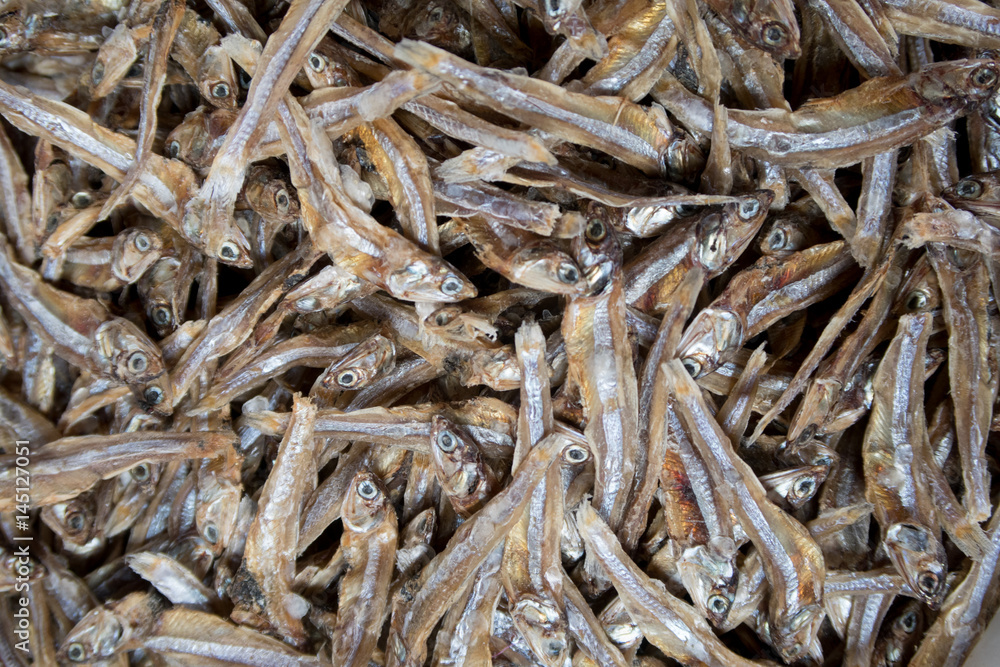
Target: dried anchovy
pixel 499 332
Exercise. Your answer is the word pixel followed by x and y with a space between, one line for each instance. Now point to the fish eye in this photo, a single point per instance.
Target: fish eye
pixel 153 395
pixel 969 188
pixel 576 454
pixel 775 34
pixel 76 652
pixel 777 239
pixel 451 286
pixel 749 208
pixel 804 487
pixel 367 490
pixel 555 648
pixel 596 231
pixel 908 622
pixel 447 441
pixel 692 366
pixel 916 300
pixel 983 77
pixel 140 473
pixel 134 70
pixel 97 74
pixel 442 318
pixel 161 316
pixel 719 605
pixel 436 14
pixel 568 273
pixel 281 201
pixel 174 149
pixel 685 210
pixel 220 90
pixel 142 242
pixel 81 200
pixel 229 252
pixel 348 379
pixel 317 62
pixel 75 521
pixel 138 362
pixel 927 583
pixel 212 533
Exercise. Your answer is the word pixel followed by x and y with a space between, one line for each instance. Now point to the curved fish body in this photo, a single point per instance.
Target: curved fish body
pixel 902 503
pixel 793 563
pixel 879 115
pixel 261 590
pixel 758 297
pixel 711 242
pixel 600 364
pixel 369 549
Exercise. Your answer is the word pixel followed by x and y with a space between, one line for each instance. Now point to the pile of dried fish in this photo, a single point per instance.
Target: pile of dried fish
pixel 512 332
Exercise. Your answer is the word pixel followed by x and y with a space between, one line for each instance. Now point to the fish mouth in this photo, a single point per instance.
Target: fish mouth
pixel 598 277
pixel 712 333
pixel 919 556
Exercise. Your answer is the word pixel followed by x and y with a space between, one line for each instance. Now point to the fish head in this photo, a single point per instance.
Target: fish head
pixel 324 69
pixel 156 396
pixel 439 22
pixel 722 237
pixel 73 520
pixel 979 191
pixel 710 334
pixel 598 251
pixel 329 288
pixel 420 530
pixel 133 358
pixel 543 266
pixel 919 556
pixel 770 25
pixel 15 568
pixel 543 627
pixel 371 359
pixel 900 636
pixel 457 460
pixel 98 636
pixel 367 503
pixel 197 139
pixel 966 82
pixel 710 576
pixel 233 248
pixel 814 410
pixel 797 486
pixel 217 509
pixel 271 195
pixel 217 79
pixel 430 279
pixel 135 250
pixel 683 159
pixel 453 322
pixel 794 631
